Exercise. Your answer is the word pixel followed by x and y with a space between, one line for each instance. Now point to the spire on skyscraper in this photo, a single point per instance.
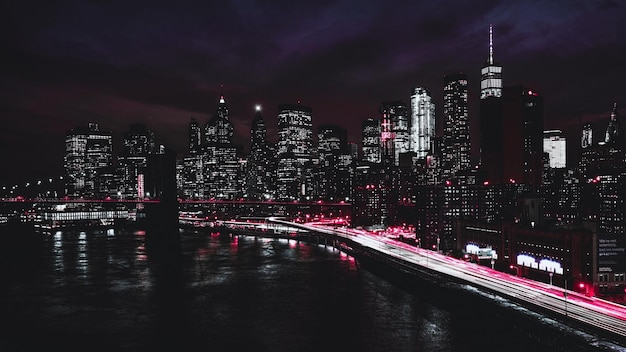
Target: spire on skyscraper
pixel 490 44
pixel 491 74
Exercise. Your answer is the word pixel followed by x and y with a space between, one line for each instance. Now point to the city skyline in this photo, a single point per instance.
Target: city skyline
pixel 74 64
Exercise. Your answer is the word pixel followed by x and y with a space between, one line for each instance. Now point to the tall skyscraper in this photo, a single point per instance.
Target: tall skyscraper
pixel 371 142
pixel 88 158
pixel 522 135
pixel 395 133
pixel 554 144
pixel 456 138
pixel 259 180
pixel 295 152
pixel 219 129
pixel 492 132
pixel 332 145
pixel 491 74
pixel 422 121
pixel 139 144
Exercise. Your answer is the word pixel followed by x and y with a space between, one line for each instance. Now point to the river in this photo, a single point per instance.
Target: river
pixel 102 290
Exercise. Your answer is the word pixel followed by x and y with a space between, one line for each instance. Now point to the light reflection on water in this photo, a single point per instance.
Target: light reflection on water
pixel 230 293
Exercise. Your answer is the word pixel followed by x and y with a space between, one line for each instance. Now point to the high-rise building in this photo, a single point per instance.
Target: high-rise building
pixel 219 129
pixel 586 138
pixel 334 162
pixel 260 172
pixel 614 132
pixel 422 121
pixel 491 74
pixel 371 142
pixel 295 152
pixel 139 144
pixel 222 167
pixel 88 159
pixel 195 136
pixel 456 151
pixel 491 118
pixel 554 144
pixel 395 133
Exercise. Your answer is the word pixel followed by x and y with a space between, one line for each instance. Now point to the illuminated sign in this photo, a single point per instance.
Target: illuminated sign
pixel 543 265
pixel 611 256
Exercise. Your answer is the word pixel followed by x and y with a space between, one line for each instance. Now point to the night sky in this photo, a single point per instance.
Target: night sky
pixel 67 63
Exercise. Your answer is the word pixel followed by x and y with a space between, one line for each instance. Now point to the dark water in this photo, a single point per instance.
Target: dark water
pixel 104 291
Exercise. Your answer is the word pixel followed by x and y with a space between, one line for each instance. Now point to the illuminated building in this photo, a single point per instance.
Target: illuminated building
pixel 371 143
pixel 334 163
pixel 223 170
pixel 394 135
pixel 88 158
pixel 295 152
pixel 586 138
pixel 456 151
pixel 139 143
pixel 195 136
pixel 491 74
pixel 260 171
pixel 554 144
pixel 219 129
pixel 375 200
pixel 422 121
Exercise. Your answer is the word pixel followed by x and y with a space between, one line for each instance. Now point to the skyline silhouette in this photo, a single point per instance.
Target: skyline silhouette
pixel 117 64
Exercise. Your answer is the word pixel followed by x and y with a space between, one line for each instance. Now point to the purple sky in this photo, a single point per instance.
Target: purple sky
pixel 122 62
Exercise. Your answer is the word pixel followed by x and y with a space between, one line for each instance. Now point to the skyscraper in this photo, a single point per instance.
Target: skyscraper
pixel 491 118
pixel 456 138
pixel 554 144
pixel 139 144
pixel 219 129
pixel 422 121
pixel 88 158
pixel 491 74
pixel 395 133
pixel 259 180
pixel 195 136
pixel 371 142
pixel 295 152
pixel 332 146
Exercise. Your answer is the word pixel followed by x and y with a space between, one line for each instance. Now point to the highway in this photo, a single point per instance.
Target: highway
pixel 591 311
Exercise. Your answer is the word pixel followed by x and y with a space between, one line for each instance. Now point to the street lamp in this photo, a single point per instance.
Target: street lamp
pixel 551 273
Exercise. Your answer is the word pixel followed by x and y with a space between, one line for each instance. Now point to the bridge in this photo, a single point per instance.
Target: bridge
pixel 596 314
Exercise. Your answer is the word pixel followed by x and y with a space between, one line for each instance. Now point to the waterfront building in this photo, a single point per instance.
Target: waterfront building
pixel 259 170
pixel 295 152
pixel 139 144
pixel 88 160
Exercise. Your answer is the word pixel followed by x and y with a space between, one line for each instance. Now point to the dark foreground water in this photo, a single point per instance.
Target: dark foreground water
pixel 105 291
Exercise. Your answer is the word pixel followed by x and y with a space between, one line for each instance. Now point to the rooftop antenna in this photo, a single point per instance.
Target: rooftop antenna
pixel 490 44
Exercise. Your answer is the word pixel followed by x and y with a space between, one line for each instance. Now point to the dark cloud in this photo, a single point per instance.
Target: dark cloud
pixel 114 62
